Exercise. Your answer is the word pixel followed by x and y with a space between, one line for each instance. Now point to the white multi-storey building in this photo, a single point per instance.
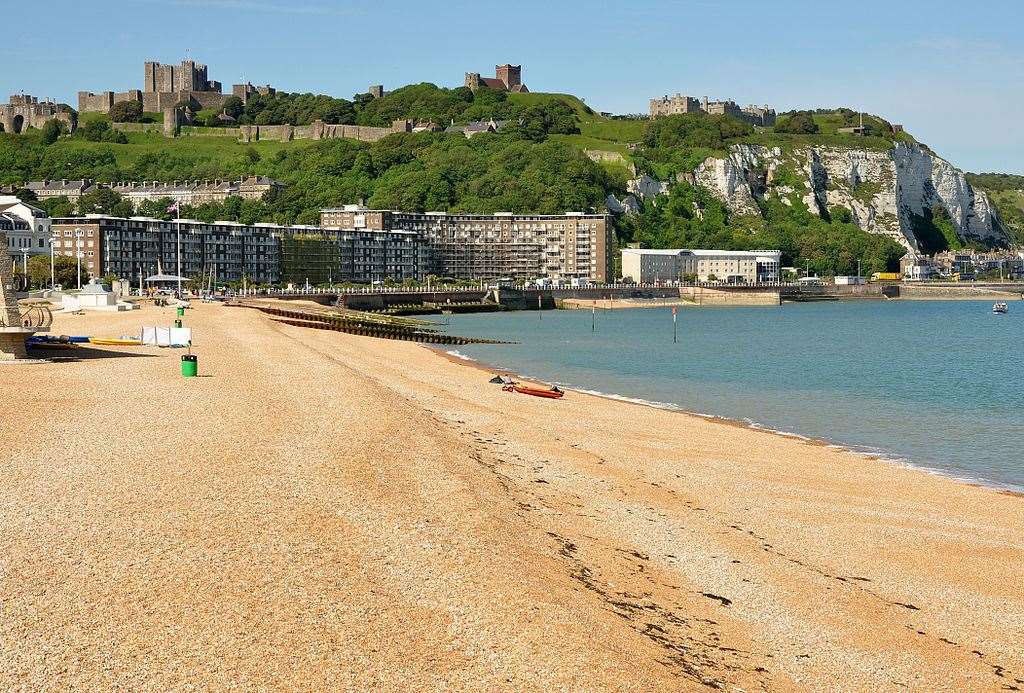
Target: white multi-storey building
pixel 730 266
pixel 27 228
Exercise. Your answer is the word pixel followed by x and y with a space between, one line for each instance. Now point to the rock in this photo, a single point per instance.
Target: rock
pixel 646 188
pixel 727 179
pixel 628 205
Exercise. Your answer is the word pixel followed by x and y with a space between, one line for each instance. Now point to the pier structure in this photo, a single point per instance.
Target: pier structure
pixel 412 300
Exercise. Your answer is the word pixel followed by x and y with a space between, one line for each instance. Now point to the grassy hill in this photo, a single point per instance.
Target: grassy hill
pixel 536 165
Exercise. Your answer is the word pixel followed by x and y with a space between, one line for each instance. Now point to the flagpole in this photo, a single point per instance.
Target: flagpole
pixel 177 208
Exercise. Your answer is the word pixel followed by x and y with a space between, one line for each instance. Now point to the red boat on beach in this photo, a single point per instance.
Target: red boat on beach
pixel 550 393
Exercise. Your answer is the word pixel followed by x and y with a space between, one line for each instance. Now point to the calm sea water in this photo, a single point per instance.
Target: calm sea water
pixel 937 384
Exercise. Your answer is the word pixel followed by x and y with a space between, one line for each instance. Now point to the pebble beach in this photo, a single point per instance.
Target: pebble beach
pixel 320 510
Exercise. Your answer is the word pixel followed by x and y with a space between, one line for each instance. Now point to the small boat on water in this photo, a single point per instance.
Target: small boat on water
pixel 549 393
pixel 1000 308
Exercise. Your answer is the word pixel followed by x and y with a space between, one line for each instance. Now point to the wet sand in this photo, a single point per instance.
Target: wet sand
pixel 330 511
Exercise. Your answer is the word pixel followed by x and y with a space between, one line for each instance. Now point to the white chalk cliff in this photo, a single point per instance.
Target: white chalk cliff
pixel 883 190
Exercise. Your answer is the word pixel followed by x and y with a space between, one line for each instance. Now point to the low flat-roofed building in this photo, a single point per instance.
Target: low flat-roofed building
pixel 731 266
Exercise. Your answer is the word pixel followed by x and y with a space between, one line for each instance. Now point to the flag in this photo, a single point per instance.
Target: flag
pixel 172 208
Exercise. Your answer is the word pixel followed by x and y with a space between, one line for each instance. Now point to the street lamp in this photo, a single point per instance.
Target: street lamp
pixel 78 255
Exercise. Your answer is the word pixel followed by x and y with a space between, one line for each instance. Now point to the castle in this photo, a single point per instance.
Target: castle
pixel 506 78
pixel 165 86
pixel 24 111
pixel 755 115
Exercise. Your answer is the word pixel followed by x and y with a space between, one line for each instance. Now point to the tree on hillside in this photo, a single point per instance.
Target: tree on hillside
pixel 155 209
pixel 52 130
pixel 26 195
pixel 126 112
pixel 56 206
pixel 233 106
pixel 549 118
pixel 694 130
pixel 104 201
pixel 424 102
pixel 100 131
pixel 799 123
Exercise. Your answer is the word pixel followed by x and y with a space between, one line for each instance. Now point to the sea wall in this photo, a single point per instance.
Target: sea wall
pixel 704 296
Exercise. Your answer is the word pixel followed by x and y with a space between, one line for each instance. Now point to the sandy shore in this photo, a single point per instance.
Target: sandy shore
pixel 330 511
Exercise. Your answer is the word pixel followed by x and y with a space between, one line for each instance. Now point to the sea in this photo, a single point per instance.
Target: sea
pixel 935 384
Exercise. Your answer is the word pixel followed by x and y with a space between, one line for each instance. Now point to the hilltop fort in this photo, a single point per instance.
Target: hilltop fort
pixel 506 78
pixel 680 103
pixel 166 86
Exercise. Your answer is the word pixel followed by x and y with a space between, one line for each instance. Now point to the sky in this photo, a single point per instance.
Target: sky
pixel 951 72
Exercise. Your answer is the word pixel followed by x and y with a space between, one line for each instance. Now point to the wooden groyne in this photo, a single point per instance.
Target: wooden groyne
pixel 358 323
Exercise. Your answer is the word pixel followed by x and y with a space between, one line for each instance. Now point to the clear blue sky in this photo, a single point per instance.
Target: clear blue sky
pixel 950 71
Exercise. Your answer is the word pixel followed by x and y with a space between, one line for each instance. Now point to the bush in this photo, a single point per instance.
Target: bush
pixel 799 123
pixel 52 130
pixel 694 130
pixel 100 131
pixel 233 106
pixel 126 112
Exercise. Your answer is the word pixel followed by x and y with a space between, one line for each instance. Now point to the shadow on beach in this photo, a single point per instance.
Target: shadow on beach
pixel 70 353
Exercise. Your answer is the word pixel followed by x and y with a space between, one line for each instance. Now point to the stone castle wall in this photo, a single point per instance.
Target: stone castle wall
pixel 318 130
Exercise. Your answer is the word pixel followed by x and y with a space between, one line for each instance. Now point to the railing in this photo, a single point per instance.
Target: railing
pixel 37 317
pixel 316 291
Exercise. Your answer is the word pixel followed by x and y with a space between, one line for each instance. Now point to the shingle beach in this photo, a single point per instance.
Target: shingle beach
pixel 322 511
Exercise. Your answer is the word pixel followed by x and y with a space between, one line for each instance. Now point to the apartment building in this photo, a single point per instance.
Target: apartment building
pixel 486 246
pixel 320 255
pixel 186 192
pixel 130 247
pixel 262 253
pixel 730 266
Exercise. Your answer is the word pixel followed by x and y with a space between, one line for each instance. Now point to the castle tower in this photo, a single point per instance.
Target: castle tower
pixel 187 76
pixel 376 91
pixel 511 75
pixel 473 80
pixel 149 81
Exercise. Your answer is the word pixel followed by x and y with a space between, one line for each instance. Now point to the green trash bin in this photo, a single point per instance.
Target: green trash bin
pixel 181 311
pixel 189 365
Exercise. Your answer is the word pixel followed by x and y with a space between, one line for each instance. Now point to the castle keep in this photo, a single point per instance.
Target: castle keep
pixel 165 86
pixel 680 103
